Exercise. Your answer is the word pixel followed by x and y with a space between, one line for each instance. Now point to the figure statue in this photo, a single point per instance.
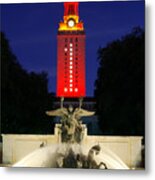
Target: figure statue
pixel 89 162
pixel 71 124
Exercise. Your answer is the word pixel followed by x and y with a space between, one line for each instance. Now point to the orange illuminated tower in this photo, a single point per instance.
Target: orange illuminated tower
pixel 71 54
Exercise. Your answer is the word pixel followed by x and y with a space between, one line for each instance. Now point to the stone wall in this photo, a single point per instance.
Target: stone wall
pixel 0 152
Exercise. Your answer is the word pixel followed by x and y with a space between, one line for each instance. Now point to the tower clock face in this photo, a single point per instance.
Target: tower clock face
pixel 71 22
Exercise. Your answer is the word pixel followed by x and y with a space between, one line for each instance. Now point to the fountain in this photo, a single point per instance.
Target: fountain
pixel 72 156
pixel 71 153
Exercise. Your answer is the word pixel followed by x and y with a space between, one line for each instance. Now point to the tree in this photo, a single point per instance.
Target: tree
pixel 24 96
pixel 119 88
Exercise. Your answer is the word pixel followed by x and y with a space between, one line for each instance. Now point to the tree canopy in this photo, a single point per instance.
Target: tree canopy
pixel 119 88
pixel 24 96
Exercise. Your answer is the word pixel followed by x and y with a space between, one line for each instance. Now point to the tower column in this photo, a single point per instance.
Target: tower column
pixel 71 54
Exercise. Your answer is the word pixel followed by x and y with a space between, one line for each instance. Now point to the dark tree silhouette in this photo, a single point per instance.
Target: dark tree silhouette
pixel 24 96
pixel 119 88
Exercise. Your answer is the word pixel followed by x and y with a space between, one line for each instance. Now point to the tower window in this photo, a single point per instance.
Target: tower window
pixel 70 67
pixel 65 89
pixel 65 49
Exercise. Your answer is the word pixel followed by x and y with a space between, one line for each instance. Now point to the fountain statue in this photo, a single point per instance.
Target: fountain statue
pixel 71 124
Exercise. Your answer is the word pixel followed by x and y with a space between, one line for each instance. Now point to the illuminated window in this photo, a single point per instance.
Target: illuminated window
pixel 71 63
pixel 70 67
pixel 71 85
pixel 71 45
pixel 76 89
pixel 71 76
pixel 71 49
pixel 65 49
pixel 65 89
pixel 71 58
pixel 71 53
pixel 71 89
pixel 71 80
pixel 71 71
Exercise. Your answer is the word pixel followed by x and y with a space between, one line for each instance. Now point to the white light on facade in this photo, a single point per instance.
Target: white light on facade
pixel 71 71
pixel 71 80
pixel 71 49
pixel 71 85
pixel 71 89
pixel 71 53
pixel 71 58
pixel 65 49
pixel 71 45
pixel 76 89
pixel 70 67
pixel 71 63
pixel 65 89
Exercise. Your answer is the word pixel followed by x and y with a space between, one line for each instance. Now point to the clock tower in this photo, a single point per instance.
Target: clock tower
pixel 71 53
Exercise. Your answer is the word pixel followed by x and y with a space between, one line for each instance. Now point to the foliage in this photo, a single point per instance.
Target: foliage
pixel 24 96
pixel 119 88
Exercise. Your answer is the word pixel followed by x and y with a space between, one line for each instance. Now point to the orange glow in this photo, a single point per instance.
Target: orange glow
pixel 71 12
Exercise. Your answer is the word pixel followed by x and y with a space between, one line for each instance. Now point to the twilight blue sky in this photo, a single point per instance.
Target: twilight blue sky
pixel 31 29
